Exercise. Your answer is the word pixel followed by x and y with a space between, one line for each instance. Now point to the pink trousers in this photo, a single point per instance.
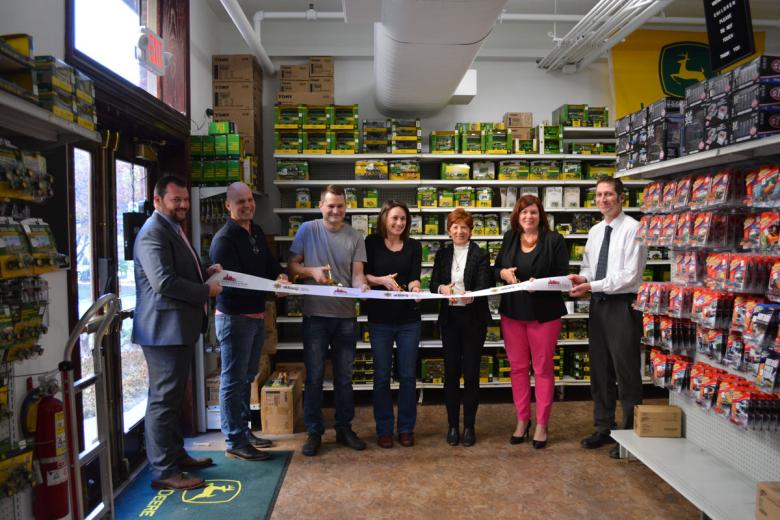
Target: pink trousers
pixel 529 342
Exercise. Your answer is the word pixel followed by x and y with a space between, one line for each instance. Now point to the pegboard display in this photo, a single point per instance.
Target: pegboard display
pixel 754 453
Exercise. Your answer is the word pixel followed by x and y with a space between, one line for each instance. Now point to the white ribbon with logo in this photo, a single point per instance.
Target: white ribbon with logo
pixel 255 283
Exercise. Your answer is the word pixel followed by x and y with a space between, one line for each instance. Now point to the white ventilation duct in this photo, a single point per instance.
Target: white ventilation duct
pixel 422 49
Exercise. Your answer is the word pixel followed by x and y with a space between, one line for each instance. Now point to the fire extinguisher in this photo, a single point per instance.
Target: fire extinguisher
pixel 50 495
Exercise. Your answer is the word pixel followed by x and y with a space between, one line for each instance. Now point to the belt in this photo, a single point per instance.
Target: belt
pixel 604 297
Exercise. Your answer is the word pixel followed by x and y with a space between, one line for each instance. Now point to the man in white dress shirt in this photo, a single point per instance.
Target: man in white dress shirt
pixel 612 271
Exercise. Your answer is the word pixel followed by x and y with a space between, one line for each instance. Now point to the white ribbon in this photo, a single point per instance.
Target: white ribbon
pixel 255 283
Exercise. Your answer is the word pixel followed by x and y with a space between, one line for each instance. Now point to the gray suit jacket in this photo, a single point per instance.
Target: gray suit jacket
pixel 169 291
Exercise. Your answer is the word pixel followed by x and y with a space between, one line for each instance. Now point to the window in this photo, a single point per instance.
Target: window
pixel 113 44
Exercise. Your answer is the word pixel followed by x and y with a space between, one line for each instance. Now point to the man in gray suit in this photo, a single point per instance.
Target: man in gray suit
pixel 171 308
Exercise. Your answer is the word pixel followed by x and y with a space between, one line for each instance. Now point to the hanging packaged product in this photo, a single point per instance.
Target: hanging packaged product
pixel 15 257
pixel 303 198
pixel 464 196
pixel 455 171
pixel 405 170
pixel 42 246
pixel 478 226
pixel 293 223
pixel 351 198
pixel 371 198
pixel 484 197
pixel 360 224
pixel 769 231
pixel 426 197
pixel 371 169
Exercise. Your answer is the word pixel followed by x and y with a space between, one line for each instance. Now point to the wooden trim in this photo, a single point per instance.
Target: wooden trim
pixel 118 98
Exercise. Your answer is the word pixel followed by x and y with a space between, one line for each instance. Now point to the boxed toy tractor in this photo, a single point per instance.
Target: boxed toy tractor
pixel 288 116
pixel 549 139
pixel 406 170
pixel 314 117
pixel 570 115
pixel 343 141
pixel 315 141
pixel 444 141
pixel 288 142
pixel 597 117
pixel 498 141
pixel 343 117
pixel 376 136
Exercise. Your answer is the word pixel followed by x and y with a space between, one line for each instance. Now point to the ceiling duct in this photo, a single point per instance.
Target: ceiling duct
pixel 423 48
pixel 605 25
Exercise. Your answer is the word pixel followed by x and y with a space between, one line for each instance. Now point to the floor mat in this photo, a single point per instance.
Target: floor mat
pixel 235 489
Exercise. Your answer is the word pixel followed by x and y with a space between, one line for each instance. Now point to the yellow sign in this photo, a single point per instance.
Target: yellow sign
pixel 215 492
pixel 649 65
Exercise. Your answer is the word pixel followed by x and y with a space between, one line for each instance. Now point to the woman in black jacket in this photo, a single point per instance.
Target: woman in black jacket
pixel 531 322
pixel 460 268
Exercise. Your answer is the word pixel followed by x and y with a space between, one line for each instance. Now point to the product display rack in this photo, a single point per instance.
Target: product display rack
pixel 30 127
pixel 717 464
pixel 337 169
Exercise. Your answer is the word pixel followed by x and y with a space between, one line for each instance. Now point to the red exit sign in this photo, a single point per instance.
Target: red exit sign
pixel 149 51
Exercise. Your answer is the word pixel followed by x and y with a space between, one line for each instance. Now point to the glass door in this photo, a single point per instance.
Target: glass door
pixel 131 192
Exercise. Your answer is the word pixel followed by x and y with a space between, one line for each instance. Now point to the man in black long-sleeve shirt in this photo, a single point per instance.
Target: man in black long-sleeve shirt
pixel 240 246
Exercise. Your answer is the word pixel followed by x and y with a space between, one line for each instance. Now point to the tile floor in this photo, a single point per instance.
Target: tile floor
pixel 493 479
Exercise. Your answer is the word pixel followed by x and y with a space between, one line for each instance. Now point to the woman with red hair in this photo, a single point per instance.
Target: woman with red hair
pixel 457 269
pixel 531 322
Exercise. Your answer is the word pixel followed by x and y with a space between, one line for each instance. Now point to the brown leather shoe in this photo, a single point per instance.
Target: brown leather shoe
pixel 385 441
pixel 189 463
pixel 178 481
pixel 406 439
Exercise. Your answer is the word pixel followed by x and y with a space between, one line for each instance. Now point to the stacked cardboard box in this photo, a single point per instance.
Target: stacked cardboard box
pixel 519 123
pixel 238 90
pixel 310 84
pixel 281 402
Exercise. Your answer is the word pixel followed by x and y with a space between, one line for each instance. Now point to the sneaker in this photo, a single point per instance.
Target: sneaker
pixel 248 452
pixel 259 442
pixel 597 440
pixel 312 444
pixel 349 439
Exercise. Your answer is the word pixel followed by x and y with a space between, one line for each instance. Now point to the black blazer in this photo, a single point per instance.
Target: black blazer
pixel 551 260
pixel 476 276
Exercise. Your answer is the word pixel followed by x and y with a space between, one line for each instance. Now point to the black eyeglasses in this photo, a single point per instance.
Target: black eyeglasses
pixel 253 243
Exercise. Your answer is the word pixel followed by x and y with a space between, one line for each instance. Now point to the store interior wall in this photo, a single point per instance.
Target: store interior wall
pixel 24 16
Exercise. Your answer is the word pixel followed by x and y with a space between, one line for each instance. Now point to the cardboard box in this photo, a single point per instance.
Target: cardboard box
pixel 247 120
pixel 295 72
pixel 304 98
pixel 518 119
pixel 321 66
pixel 292 367
pixel 321 85
pixel 294 85
pixel 521 132
pixel 263 373
pixel 235 67
pixel 212 390
pixel 657 421
pixel 237 94
pixel 768 501
pixel 281 407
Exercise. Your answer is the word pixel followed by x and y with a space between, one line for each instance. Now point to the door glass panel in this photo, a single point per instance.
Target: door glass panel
pixel 131 192
pixel 82 161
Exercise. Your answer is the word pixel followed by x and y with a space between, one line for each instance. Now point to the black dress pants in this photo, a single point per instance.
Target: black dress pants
pixel 462 339
pixel 614 330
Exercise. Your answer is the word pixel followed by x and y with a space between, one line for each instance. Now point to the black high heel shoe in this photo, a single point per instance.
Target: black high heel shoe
pixel 517 440
pixel 453 436
pixel 540 445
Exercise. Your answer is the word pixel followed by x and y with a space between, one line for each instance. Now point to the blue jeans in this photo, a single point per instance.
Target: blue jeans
pixel 340 334
pixel 407 339
pixel 240 342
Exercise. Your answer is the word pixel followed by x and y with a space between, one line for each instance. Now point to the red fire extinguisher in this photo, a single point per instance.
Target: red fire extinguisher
pixel 50 496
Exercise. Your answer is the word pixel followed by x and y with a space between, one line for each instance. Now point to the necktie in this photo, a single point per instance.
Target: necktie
pixel 197 264
pixel 601 266
pixel 192 252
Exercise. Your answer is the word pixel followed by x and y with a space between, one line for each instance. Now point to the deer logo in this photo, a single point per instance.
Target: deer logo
pixel 684 73
pixel 680 65
pixel 215 492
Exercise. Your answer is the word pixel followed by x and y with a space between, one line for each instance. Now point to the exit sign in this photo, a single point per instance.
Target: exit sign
pixel 149 51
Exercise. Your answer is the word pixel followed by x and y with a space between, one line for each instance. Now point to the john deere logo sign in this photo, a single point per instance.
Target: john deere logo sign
pixel 215 492
pixel 682 64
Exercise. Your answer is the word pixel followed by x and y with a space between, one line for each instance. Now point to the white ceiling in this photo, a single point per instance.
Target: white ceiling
pixel 760 9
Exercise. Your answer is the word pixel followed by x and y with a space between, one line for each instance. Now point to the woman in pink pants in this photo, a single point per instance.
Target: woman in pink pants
pixel 531 322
